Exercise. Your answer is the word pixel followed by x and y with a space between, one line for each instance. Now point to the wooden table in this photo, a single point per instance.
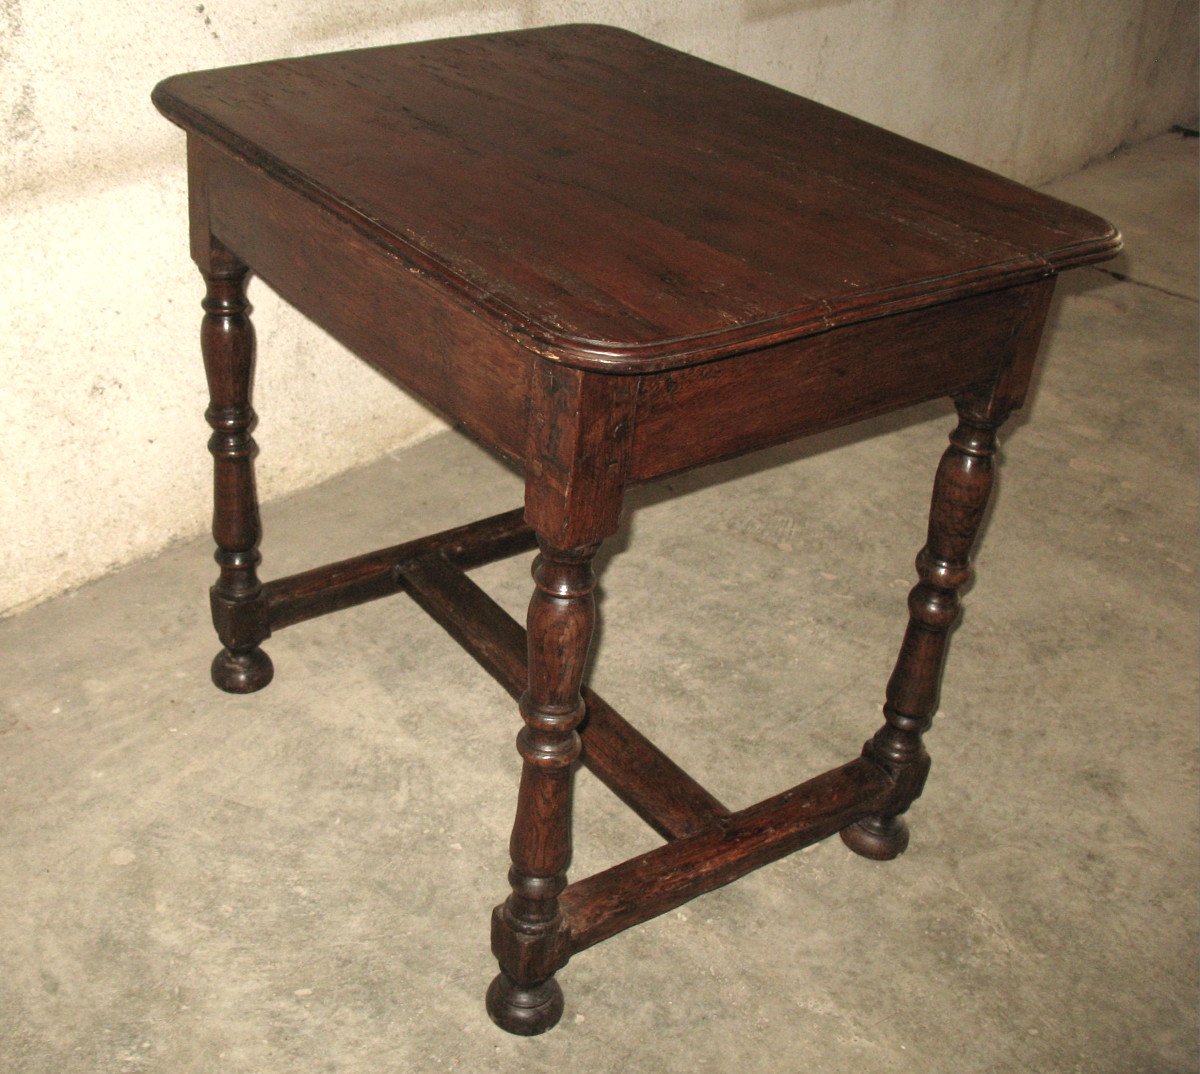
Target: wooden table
pixel 608 261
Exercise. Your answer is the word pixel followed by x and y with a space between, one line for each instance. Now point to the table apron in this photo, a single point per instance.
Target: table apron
pixel 689 417
pixel 369 300
pixel 479 378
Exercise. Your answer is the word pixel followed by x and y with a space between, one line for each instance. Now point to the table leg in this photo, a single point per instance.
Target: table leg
pixel 238 605
pixel 960 495
pixel 528 934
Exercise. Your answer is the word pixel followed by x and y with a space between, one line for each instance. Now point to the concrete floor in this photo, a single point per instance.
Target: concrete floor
pixel 300 880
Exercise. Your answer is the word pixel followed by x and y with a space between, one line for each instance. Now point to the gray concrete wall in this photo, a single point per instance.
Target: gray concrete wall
pixel 104 455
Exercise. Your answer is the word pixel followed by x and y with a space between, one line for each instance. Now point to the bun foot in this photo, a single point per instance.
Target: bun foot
pixel 242 673
pixel 877 838
pixel 524 1011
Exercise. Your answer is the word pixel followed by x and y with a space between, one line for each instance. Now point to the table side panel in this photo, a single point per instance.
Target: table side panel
pixel 371 301
pixel 688 417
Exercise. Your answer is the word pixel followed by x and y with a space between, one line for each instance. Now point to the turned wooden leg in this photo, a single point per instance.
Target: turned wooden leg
pixel 528 937
pixel 960 495
pixel 238 606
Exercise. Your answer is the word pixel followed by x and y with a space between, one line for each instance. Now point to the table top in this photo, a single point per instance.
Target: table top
pixel 625 206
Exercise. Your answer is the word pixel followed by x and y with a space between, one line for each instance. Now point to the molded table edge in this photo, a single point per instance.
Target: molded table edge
pixel 612 356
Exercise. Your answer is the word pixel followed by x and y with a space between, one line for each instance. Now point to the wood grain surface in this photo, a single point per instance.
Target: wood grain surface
pixel 618 204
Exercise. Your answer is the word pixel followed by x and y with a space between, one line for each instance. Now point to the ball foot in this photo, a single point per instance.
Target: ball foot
pixel 877 838
pixel 242 673
pixel 524 1011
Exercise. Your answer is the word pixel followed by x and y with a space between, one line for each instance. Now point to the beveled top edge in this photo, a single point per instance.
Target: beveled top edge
pixel 616 356
pixel 812 320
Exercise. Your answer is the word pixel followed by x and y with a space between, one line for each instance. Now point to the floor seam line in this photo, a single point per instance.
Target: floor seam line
pixel 1150 286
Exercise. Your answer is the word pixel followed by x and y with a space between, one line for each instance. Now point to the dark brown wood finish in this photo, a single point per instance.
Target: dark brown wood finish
pixel 528 929
pixel 700 414
pixel 379 574
pixel 620 756
pixel 238 603
pixel 577 455
pixel 620 205
pixel 408 329
pixel 960 495
pixel 659 880
pixel 962 487
pixel 609 261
